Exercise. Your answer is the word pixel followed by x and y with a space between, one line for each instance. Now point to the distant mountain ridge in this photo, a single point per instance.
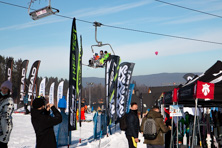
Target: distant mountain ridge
pixel 161 79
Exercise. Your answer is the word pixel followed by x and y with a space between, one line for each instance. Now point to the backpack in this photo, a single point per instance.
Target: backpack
pixel 122 122
pixel 149 129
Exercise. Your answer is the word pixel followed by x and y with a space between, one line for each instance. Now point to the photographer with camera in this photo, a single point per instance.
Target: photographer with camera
pixel 43 123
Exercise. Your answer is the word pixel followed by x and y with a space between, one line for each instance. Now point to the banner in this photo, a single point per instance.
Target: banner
pixel 23 78
pixel 79 80
pixel 35 90
pixel 42 88
pixel 32 78
pixel 51 93
pixel 124 78
pixel 67 101
pixel 128 102
pixel 175 95
pixel 112 67
pixel 204 90
pixel 74 53
pixel 9 68
pixel 60 91
pixel 175 111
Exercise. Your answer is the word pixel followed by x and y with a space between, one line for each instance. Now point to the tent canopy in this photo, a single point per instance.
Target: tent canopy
pixel 207 87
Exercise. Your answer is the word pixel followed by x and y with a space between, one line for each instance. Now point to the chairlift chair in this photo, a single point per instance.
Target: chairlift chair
pixel 43 12
pixel 92 62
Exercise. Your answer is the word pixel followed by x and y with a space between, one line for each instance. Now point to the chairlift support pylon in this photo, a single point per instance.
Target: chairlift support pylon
pixel 43 12
pixel 100 44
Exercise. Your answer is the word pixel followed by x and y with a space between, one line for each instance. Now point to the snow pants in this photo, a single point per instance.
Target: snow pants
pixel 131 142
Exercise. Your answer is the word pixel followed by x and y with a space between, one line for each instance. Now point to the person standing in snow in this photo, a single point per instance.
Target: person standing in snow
pixel 160 127
pixel 83 109
pixel 25 101
pixel 132 122
pixel 43 123
pixel 61 130
pixel 6 109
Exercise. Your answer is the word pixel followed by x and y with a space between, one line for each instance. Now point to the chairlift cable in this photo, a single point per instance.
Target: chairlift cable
pixel 128 29
pixel 189 9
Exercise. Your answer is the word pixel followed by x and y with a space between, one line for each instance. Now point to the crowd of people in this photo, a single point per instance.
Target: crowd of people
pixel 134 127
pixel 47 120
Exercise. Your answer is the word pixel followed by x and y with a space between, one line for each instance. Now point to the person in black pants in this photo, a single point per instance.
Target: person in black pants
pixel 132 122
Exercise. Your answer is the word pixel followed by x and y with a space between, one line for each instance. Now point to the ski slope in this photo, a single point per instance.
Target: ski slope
pixel 23 135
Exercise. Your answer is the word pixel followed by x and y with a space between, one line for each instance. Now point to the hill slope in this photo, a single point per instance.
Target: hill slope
pixel 161 79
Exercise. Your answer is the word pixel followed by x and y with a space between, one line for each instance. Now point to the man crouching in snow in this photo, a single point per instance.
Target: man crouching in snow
pixel 43 123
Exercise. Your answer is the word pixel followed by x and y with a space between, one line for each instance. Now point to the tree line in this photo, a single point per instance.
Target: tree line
pixel 97 90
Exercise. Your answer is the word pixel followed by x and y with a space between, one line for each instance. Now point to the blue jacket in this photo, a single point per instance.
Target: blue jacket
pixel 62 103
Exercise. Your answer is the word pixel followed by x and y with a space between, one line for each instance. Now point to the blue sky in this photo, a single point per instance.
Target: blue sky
pixel 48 39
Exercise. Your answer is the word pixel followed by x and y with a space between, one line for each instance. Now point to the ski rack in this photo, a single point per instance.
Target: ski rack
pixel 100 44
pixel 43 12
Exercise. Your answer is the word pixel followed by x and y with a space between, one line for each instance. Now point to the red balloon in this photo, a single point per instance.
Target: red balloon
pixel 156 52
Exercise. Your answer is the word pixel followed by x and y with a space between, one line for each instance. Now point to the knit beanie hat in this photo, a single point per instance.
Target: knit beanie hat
pixel 38 102
pixel 7 84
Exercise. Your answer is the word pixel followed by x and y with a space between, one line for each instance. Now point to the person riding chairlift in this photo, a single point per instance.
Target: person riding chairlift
pixel 96 57
pixel 103 60
pixel 106 55
pixel 94 60
pixel 101 54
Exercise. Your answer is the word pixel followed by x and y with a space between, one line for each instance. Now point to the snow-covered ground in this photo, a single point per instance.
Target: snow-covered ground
pixel 23 135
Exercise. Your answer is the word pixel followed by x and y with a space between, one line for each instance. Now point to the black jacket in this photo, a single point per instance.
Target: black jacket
pixel 43 125
pixel 132 122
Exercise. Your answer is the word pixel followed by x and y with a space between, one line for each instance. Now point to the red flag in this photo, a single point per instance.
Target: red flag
pixel 175 94
pixel 204 90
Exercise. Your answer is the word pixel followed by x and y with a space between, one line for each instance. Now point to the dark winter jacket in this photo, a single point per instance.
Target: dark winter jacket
pixel 43 125
pixel 132 122
pixel 160 127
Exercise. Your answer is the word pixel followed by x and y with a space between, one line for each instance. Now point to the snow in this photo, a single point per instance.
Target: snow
pixel 23 135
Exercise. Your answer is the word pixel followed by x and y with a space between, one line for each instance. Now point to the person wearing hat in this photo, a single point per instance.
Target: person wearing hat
pixel 96 57
pixel 155 114
pixel 6 109
pixel 43 122
pixel 132 122
pixel 61 130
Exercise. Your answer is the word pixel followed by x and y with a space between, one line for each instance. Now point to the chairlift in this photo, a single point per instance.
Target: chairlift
pixel 95 63
pixel 100 44
pixel 43 12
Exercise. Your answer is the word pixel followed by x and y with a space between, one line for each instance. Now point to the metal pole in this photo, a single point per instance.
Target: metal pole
pixel 141 101
pixel 194 122
pixel 90 84
pixel 90 96
pixel 172 138
pixel 177 134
